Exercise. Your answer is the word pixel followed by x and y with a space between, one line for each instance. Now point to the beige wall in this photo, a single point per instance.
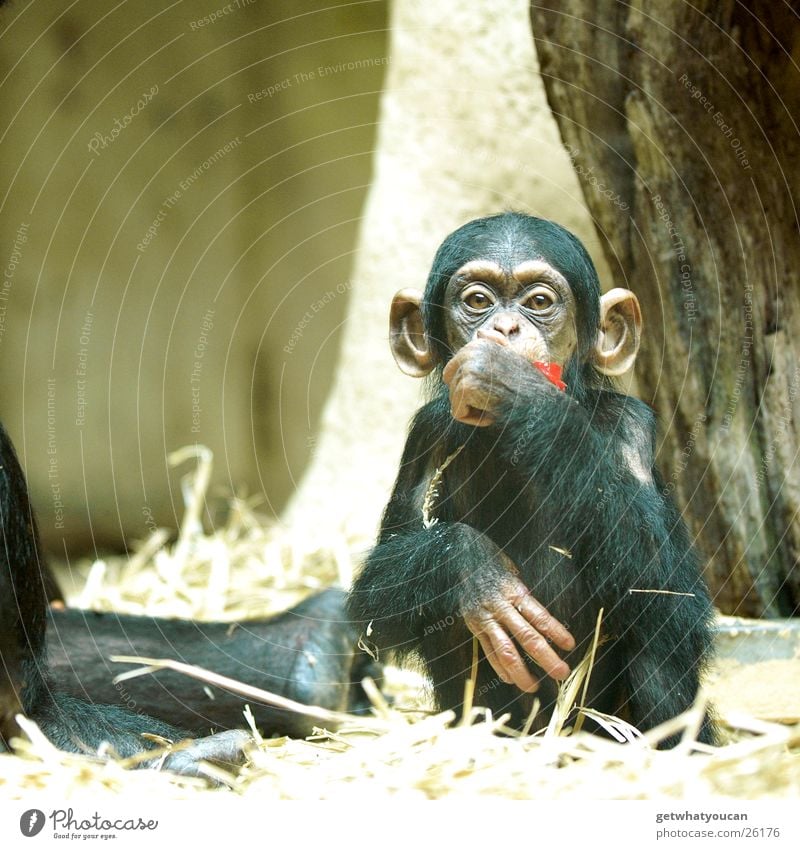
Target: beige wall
pixel 250 166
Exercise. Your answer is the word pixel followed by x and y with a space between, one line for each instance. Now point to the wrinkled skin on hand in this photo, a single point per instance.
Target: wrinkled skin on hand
pixel 502 614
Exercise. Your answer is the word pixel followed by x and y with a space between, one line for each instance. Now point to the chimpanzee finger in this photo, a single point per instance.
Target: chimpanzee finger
pixel 492 335
pixel 479 418
pixel 503 655
pixel 227 748
pixel 466 404
pixel 452 367
pixel 458 396
pixel 534 644
pixel 460 409
pixel 464 361
pixel 544 622
pixel 488 650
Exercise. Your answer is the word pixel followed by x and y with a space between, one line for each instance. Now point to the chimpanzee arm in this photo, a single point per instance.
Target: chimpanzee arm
pixel 418 580
pixel 589 457
pixel 593 464
pixel 596 473
pixel 307 654
pixel 23 603
pixel 410 579
pixel 666 638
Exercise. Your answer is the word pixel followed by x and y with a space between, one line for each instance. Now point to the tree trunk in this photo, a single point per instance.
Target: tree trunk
pixel 681 122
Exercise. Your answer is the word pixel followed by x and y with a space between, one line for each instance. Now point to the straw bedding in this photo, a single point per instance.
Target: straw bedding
pixel 246 567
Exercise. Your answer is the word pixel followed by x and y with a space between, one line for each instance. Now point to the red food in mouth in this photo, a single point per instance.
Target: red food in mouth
pixel 552 371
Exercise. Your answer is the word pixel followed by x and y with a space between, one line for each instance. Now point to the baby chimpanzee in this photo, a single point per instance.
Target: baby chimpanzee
pixel 527 495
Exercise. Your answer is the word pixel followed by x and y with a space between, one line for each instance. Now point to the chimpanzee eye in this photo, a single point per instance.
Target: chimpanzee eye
pixel 477 299
pixel 540 299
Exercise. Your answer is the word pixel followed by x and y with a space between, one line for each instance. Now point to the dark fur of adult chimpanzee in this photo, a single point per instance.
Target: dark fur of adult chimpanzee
pixel 307 654
pixel 552 509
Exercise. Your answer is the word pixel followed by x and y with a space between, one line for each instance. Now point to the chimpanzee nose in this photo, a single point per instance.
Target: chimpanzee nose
pixel 506 323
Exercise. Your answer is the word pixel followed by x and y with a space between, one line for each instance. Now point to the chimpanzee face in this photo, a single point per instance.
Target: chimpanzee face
pixel 530 304
pixel 519 281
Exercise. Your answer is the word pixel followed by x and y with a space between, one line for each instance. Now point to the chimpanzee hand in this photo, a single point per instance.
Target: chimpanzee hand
pixel 486 371
pixel 505 615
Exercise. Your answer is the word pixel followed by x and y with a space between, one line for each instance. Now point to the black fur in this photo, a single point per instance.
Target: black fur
pixel 306 654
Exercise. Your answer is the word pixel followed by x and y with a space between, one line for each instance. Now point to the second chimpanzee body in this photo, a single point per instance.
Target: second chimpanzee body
pixel 55 667
pixel 520 510
pixel 307 654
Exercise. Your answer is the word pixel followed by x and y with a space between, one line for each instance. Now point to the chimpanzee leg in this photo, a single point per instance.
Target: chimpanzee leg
pixel 25 683
pixel 663 669
pixel 307 654
pixel 448 655
pixel 23 578
pixel 660 690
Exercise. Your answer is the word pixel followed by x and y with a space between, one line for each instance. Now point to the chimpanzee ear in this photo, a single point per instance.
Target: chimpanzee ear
pixel 620 332
pixel 410 346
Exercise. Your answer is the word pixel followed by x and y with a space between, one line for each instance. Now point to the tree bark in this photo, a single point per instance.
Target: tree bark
pixel 681 122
